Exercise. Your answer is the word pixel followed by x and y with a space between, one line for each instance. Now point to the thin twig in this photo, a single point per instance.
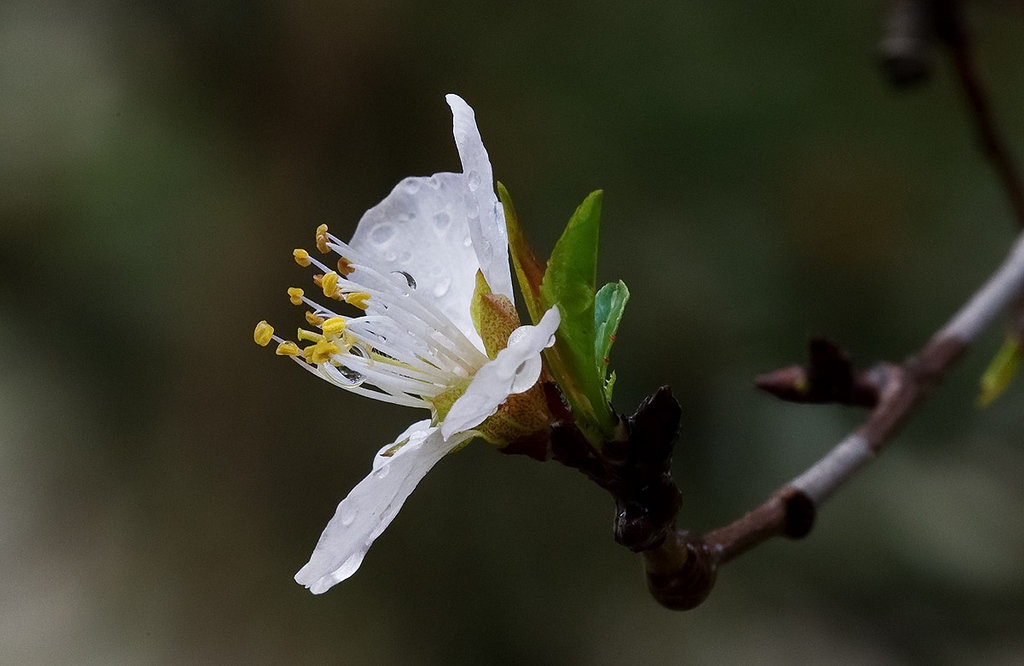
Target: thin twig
pixel 790 510
pixel 953 31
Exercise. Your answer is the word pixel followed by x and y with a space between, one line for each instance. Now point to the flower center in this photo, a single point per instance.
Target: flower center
pixel 401 348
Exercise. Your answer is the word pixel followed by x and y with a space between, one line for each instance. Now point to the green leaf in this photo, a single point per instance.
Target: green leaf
pixel 609 305
pixel 570 282
pixel 1001 371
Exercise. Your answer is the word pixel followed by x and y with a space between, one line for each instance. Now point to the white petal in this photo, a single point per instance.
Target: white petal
pixel 421 228
pixel 515 370
pixel 371 506
pixel 487 226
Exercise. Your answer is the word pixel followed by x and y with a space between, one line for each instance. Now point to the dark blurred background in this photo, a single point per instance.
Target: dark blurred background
pixel 162 478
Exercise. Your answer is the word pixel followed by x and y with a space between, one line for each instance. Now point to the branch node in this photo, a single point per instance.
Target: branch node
pixel 680 573
pixel 800 513
pixel 828 378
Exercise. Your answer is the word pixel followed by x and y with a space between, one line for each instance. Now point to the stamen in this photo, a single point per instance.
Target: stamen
pixel 295 295
pixel 301 257
pixel 321 352
pixel 333 327
pixel 313 319
pixel 288 348
pixel 345 266
pixel 329 283
pixel 359 299
pixel 309 336
pixel 263 334
pixel 321 239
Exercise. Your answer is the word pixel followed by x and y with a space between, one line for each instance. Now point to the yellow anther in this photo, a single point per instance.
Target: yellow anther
pixel 309 336
pixel 345 342
pixel 360 299
pixel 329 283
pixel 263 334
pixel 321 239
pixel 288 349
pixel 301 257
pixel 333 327
pixel 295 295
pixel 321 352
pixel 313 319
pixel 345 266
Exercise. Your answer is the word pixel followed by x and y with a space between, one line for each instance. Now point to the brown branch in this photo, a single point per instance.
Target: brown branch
pixel 952 30
pixel 828 378
pixel 790 511
pixel 681 567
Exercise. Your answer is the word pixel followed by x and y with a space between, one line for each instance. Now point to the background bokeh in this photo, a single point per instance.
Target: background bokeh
pixel 162 478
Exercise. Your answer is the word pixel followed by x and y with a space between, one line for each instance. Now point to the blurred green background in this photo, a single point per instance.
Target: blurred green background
pixel 162 478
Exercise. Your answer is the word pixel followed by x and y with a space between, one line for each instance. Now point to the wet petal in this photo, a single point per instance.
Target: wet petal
pixel 420 229
pixel 487 225
pixel 515 370
pixel 372 505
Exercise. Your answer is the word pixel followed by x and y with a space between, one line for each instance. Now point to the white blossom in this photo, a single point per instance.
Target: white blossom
pixel 411 267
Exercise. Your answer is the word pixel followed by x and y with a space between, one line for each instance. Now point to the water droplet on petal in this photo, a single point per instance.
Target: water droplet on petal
pixel 473 180
pixel 353 377
pixel 404 218
pixel 467 242
pixel 441 288
pixel 382 472
pixel 408 278
pixel 442 221
pixel 517 335
pixel 390 256
pixel 412 187
pixel 348 516
pixel 382 234
pixel 526 374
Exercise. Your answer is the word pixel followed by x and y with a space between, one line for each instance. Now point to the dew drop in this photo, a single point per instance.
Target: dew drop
pixel 441 288
pixel 442 221
pixel 390 256
pixel 408 278
pixel 348 516
pixel 467 242
pixel 412 187
pixel 473 179
pixel 526 374
pixel 351 375
pixel 516 336
pixel 404 218
pixel 434 183
pixel 382 234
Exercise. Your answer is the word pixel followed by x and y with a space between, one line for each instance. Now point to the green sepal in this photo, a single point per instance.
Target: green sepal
pixel 609 305
pixel 1001 371
pixel 494 316
pixel 529 272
